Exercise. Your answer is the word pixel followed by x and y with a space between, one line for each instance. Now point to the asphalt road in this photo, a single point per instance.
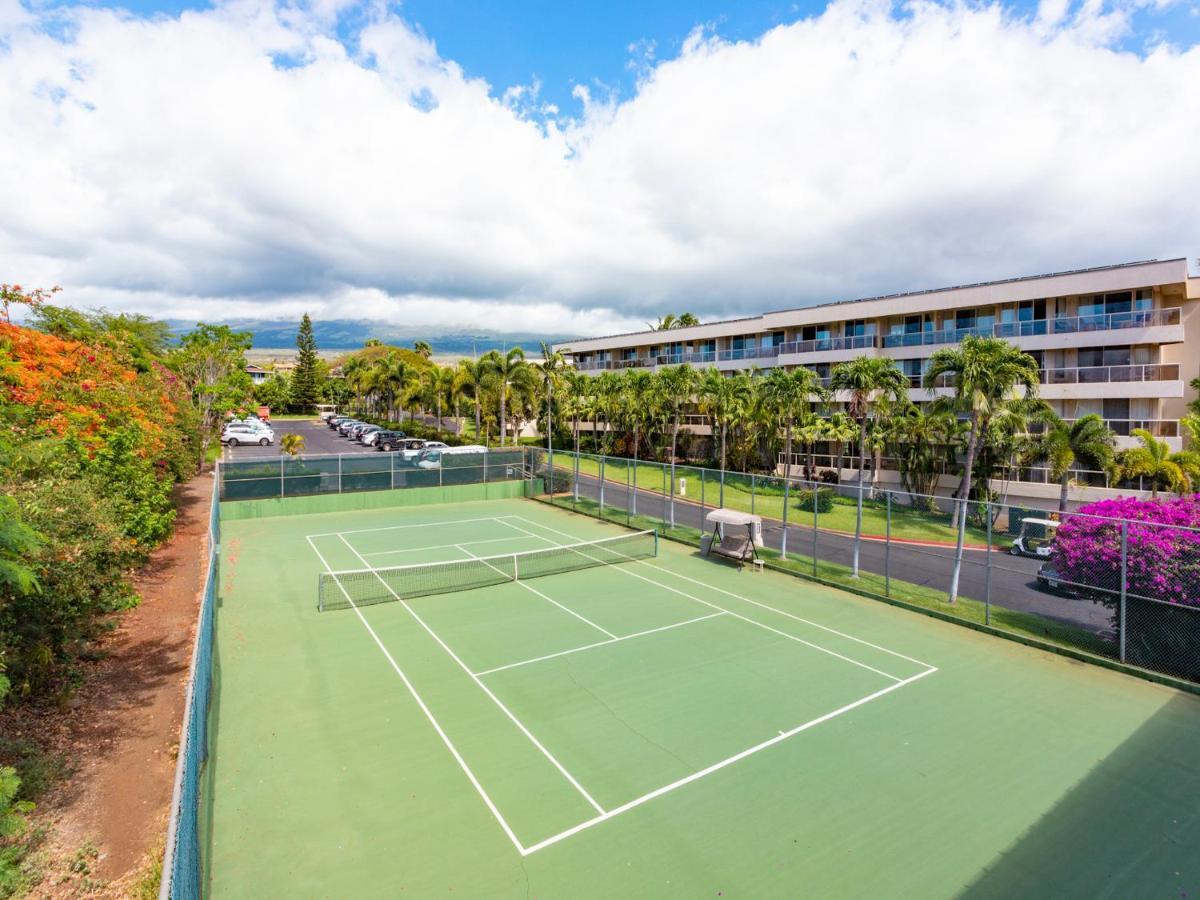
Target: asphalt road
pixel 1012 579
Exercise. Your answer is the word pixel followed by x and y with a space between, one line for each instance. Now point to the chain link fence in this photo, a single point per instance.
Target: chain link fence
pixel 303 476
pixel 1126 590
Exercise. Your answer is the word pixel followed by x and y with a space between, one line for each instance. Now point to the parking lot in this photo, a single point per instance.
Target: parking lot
pixel 319 438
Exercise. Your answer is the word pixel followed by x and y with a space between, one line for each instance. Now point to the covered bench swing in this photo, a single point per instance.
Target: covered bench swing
pixel 735 535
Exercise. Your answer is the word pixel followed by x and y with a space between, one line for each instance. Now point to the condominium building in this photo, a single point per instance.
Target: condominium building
pixel 1121 341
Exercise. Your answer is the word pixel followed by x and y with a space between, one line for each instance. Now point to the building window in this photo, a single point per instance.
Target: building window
pixel 859 327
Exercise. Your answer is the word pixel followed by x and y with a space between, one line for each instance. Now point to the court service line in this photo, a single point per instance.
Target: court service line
pixel 536 591
pixel 790 637
pixel 624 637
pixel 425 709
pixel 437 547
pixel 745 599
pixel 483 687
pixel 658 792
pixel 408 525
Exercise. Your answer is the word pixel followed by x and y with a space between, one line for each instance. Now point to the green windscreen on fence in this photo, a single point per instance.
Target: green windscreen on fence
pixel 363 587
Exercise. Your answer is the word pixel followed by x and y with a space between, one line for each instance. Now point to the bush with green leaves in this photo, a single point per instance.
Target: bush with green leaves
pixel 822 498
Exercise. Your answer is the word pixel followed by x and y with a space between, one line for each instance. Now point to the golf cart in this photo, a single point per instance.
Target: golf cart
pixel 1036 538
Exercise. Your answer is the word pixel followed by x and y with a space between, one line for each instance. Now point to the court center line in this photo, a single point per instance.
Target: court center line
pixel 791 637
pixel 438 546
pixel 425 709
pixel 483 687
pixel 781 612
pixel 624 637
pixel 407 525
pixel 708 770
pixel 538 593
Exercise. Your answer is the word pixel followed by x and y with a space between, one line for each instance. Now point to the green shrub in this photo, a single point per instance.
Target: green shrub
pixel 822 497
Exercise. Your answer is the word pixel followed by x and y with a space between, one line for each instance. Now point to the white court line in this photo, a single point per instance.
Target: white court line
pixel 425 709
pixel 409 525
pixel 536 591
pixel 739 597
pixel 667 587
pixel 658 792
pixel 624 637
pixel 484 688
pixel 438 547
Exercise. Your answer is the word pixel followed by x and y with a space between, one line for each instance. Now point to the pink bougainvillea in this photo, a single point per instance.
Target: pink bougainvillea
pixel 1162 549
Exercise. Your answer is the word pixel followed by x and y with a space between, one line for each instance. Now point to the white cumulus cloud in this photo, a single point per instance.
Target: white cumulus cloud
pixel 250 160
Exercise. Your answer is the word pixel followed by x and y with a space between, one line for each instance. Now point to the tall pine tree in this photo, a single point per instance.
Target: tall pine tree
pixel 306 387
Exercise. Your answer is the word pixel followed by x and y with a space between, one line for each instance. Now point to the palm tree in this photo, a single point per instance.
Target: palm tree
pixel 473 376
pixel 840 429
pixel 1179 472
pixel 676 388
pixel 509 370
pixel 576 403
pixel 787 397
pixel 355 373
pixel 637 402
pixel 1064 445
pixel 554 364
pixel 421 348
pixel 922 442
pixel 725 401
pixel 865 379
pixel 396 377
pixel 986 372
pixel 440 383
pixel 686 320
pixel 292 444
pixel 665 323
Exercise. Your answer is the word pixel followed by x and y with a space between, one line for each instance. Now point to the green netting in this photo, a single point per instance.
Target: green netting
pixel 410 495
pixel 363 587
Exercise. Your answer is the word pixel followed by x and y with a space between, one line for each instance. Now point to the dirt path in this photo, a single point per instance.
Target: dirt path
pixel 121 730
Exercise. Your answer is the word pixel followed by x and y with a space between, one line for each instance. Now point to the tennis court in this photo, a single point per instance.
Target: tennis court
pixel 500 698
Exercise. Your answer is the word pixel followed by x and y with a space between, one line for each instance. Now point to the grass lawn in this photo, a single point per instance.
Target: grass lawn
pixel 766 499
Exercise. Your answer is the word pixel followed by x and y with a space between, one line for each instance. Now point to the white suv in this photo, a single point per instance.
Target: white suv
pixel 240 433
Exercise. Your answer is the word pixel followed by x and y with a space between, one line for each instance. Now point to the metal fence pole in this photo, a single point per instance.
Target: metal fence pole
pixel 602 485
pixel 787 483
pixel 663 471
pixel 702 505
pixel 722 501
pixel 815 504
pixel 281 476
pixel 485 470
pixel 339 473
pixel 987 568
pixel 628 514
pixel 1124 580
pixel 633 496
pixel 753 481
pixel 887 548
pixel 392 468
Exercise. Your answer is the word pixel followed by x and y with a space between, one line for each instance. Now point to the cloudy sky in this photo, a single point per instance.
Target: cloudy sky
pixel 584 168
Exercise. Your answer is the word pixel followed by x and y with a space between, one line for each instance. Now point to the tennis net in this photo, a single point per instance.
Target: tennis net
pixel 364 587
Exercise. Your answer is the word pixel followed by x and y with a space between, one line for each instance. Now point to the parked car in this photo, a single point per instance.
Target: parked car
pixel 335 421
pixel 363 433
pixel 356 429
pixel 393 440
pixel 1048 579
pixel 344 428
pixel 432 458
pixel 236 433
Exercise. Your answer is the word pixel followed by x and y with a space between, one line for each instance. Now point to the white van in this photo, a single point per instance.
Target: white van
pixel 432 458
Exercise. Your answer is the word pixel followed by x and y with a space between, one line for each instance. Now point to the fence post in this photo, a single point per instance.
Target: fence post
pixel 602 485
pixel 702 507
pixel 787 483
pixel 339 473
pixel 753 482
pixel 987 568
pixel 663 470
pixel 633 496
pixel 1124 580
pixel 391 469
pixel 722 501
pixel 813 486
pixel 628 514
pixel 887 548
pixel 549 465
pixel 281 476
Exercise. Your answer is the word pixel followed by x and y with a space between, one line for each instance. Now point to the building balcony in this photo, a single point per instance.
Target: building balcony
pixel 832 344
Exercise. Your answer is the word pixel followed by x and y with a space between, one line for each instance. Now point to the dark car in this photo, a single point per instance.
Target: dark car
pixel 344 428
pixel 1049 579
pixel 389 440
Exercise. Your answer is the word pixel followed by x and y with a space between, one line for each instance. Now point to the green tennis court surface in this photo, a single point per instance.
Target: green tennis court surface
pixel 665 725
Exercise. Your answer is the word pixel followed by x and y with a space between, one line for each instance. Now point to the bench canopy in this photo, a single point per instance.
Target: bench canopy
pixel 731 517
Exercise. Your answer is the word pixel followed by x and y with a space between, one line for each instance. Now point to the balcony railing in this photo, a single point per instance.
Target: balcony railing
pixel 1140 318
pixel 1159 428
pixel 922 338
pixel 1110 374
pixel 748 353
pixel 854 342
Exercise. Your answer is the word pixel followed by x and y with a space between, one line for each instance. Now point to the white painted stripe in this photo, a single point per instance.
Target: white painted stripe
pixel 484 688
pixel 624 637
pixel 406 525
pixel 429 715
pixel 745 599
pixel 791 637
pixel 708 770
pixel 439 546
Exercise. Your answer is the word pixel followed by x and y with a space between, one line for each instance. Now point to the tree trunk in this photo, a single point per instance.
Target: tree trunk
pixel 961 507
pixel 503 417
pixel 862 475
